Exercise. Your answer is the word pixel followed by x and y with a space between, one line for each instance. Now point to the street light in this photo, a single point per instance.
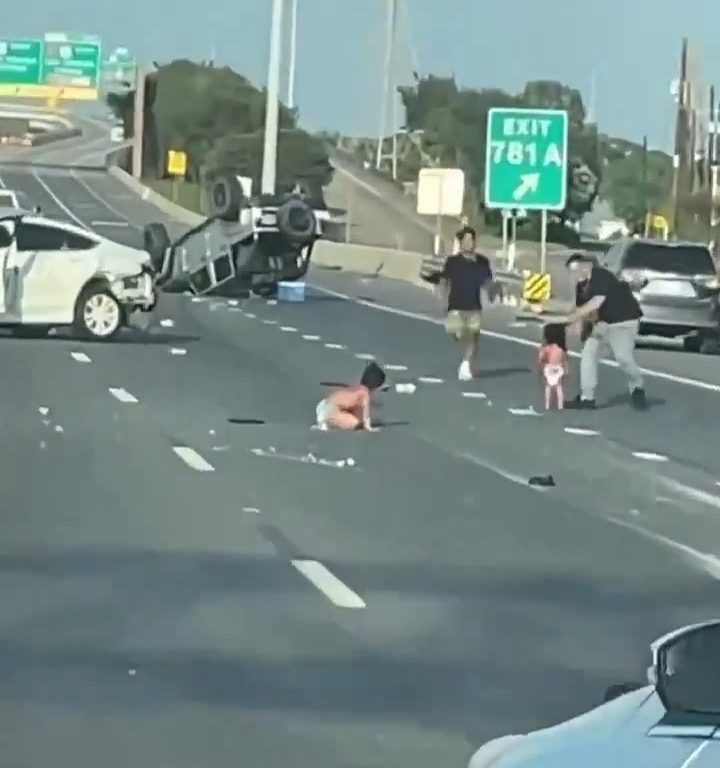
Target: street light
pixel 293 53
pixel 272 108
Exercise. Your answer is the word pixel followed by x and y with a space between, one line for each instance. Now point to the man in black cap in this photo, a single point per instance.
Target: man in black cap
pixel 602 295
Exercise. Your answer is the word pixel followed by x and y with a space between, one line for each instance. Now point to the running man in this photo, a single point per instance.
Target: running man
pixel 461 281
pixel 348 408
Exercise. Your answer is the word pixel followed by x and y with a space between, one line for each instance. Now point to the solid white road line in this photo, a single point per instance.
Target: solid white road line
pixel 706 385
pixel 696 494
pixel 193 459
pixel 336 591
pixel 109 224
pixel 81 357
pixel 709 563
pixel 104 203
pixel 58 201
pixel 122 395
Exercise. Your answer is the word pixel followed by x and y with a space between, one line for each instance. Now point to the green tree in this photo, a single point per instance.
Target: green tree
pixel 217 117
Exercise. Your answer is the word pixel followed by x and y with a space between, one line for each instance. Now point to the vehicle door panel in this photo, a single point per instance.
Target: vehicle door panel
pixel 51 271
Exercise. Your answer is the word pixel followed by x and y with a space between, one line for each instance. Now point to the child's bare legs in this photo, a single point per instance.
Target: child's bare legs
pixel 344 420
pixel 560 395
pixel 548 396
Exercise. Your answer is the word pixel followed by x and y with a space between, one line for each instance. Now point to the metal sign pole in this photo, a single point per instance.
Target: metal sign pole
pixel 543 240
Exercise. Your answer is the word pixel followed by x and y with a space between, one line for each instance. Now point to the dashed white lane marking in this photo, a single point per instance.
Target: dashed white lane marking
pixel 288 329
pixel 178 351
pixel 390 367
pixel 251 510
pixel 476 395
pixel 649 456
pixel 336 591
pixel 335 346
pixel 310 337
pixel 364 356
pixel 167 323
pixel 270 322
pixel 581 431
pixel 198 299
pixel 517 325
pixel 706 385
pixel 709 563
pixel 81 357
pixel 529 411
pixel 122 395
pixel 193 459
pixel 430 380
pixel 250 315
pixel 233 302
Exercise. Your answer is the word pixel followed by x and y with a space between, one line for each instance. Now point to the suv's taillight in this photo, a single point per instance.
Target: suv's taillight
pixel 635 278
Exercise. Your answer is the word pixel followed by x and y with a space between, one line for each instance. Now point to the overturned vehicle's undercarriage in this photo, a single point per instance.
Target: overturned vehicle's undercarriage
pixel 244 245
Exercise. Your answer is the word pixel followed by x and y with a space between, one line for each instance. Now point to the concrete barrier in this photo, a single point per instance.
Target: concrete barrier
pixel 177 212
pixel 40 139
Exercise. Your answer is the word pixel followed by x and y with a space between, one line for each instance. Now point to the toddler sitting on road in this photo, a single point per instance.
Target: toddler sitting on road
pixel 348 408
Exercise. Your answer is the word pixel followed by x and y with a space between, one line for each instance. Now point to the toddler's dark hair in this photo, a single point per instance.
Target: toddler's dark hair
pixel 373 377
pixel 554 333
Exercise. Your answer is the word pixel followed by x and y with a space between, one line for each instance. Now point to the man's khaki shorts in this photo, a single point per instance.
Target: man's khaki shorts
pixel 462 324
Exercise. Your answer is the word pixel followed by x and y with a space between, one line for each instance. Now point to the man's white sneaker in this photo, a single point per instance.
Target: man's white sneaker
pixel 464 371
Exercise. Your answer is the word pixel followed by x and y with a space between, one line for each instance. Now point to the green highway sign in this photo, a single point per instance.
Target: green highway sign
pixel 526 159
pixel 20 62
pixel 69 62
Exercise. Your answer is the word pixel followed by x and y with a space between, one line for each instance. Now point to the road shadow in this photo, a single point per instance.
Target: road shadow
pixel 143 338
pixel 624 399
pixel 497 373
pixel 246 422
pixel 385 423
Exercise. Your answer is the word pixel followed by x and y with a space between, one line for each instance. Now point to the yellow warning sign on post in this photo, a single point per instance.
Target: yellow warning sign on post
pixel 537 287
pixel 176 162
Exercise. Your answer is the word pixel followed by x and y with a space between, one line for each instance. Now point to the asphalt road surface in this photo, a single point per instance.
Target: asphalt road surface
pixel 181 587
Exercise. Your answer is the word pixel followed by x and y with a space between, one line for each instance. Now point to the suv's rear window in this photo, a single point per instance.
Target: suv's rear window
pixel 681 259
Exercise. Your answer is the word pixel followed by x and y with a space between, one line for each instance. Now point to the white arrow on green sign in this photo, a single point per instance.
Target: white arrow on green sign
pixel 526 159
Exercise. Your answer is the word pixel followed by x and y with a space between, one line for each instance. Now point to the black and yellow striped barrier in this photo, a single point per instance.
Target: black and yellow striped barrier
pixel 537 287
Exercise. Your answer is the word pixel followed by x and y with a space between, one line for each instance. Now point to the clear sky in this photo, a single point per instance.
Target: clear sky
pixel 633 46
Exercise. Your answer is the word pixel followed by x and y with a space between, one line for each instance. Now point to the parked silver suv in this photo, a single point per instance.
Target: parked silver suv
pixel 677 287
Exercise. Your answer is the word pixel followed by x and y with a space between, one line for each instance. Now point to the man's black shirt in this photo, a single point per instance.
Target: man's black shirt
pixel 619 306
pixel 465 277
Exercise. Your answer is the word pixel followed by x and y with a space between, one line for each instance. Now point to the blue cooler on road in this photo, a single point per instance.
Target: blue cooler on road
pixel 291 291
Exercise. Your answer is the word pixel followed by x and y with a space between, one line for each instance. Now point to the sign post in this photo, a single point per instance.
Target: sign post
pixel 177 168
pixel 526 159
pixel 441 192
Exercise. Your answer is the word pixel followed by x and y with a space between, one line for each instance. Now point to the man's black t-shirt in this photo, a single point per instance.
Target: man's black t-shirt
pixel 465 277
pixel 620 305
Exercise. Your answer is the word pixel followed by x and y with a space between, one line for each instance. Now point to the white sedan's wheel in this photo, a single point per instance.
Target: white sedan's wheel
pixel 98 315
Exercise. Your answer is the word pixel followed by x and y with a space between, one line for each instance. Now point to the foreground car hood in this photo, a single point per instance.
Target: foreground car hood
pixel 121 260
pixel 614 734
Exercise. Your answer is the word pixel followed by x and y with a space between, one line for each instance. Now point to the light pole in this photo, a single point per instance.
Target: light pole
pixel 272 107
pixel 293 53
pixel 388 76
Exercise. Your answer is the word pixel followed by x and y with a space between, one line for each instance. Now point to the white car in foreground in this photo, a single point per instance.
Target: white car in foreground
pixel 672 723
pixel 58 274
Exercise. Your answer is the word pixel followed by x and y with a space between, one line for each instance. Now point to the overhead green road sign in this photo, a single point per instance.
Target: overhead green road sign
pixel 72 63
pixel 526 159
pixel 20 62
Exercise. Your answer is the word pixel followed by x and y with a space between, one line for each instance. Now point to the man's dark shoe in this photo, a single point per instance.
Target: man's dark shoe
pixel 578 404
pixel 638 399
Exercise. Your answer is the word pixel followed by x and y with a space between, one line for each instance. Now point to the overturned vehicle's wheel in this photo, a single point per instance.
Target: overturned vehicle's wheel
pixel 156 242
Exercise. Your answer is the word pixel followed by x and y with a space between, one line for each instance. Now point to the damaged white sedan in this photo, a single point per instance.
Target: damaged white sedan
pixel 58 274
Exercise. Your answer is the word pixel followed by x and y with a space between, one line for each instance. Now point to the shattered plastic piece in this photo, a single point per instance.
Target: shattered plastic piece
pixel 43 445
pixel 544 481
pixel 132 672
pixel 211 432
pixel 47 422
pixel 350 462
pixel 43 410
pixel 58 428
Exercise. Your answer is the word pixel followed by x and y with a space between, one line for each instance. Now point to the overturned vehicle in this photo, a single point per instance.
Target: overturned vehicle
pixel 245 245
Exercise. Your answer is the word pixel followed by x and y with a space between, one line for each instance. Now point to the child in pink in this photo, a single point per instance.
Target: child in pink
pixel 552 360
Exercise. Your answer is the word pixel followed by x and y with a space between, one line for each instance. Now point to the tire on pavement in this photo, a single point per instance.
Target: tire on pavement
pixel 98 314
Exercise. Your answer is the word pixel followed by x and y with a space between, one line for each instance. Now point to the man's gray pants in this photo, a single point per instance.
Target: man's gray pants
pixel 620 337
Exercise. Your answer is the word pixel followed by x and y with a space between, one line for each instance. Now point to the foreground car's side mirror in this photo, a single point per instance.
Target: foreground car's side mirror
pixel 686 669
